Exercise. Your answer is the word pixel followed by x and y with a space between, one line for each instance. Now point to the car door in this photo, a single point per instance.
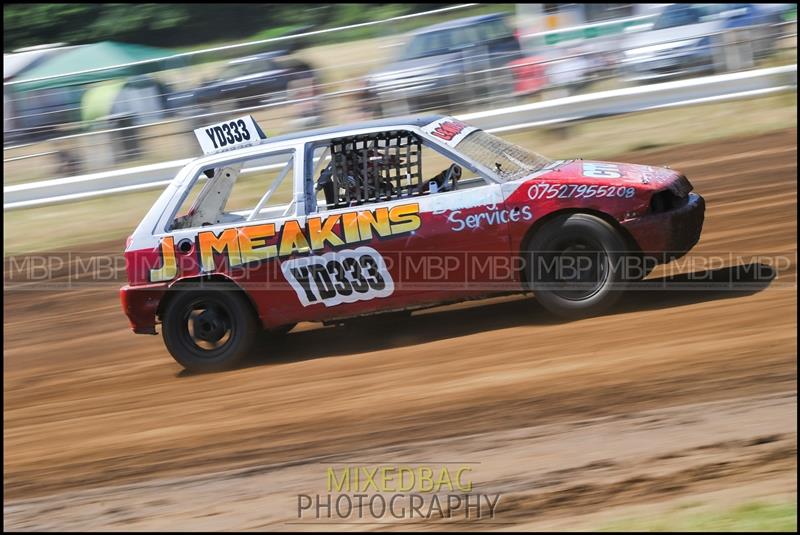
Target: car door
pixel 415 249
pixel 462 247
pixel 468 230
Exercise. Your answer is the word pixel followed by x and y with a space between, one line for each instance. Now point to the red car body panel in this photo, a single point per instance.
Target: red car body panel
pixel 453 254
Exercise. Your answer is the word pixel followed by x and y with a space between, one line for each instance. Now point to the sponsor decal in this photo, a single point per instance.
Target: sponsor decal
pixel 601 170
pixel 541 191
pixel 338 277
pixel 169 266
pixel 492 216
pixel 450 131
pixel 257 243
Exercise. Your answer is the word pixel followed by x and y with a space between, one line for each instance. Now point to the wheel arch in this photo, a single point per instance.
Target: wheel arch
pixel 216 278
pixel 541 222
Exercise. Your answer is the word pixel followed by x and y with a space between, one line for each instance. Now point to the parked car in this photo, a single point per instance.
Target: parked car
pixel 248 81
pixel 688 39
pixel 446 64
pixel 387 216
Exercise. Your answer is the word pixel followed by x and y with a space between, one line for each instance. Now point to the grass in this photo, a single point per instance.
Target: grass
pixel 354 52
pixel 344 54
pixel 70 225
pixel 362 33
pixel 748 517
pixel 356 34
pixel 270 33
pixel 654 129
pixel 114 217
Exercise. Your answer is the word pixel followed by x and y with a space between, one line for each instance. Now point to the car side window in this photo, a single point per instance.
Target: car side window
pixel 245 190
pixel 383 166
pixel 369 168
pixel 442 174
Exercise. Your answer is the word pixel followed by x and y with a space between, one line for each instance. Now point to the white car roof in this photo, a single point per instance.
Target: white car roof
pixel 292 138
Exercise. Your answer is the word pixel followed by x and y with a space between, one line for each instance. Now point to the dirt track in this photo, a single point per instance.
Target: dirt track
pixel 87 404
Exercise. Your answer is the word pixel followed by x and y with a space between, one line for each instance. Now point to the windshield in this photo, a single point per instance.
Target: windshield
pixel 508 161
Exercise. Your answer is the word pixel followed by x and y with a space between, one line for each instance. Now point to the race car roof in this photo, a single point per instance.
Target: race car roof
pixel 388 124
pixel 413 120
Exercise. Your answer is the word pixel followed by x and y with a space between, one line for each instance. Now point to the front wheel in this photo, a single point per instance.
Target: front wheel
pixel 208 329
pixel 576 265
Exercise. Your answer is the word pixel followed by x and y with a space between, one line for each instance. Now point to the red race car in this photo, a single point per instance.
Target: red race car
pixel 387 216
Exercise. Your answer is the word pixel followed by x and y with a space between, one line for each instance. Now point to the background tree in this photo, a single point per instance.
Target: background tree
pixel 182 25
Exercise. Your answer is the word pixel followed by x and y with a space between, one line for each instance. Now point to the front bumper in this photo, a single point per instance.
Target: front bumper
pixel 666 236
pixel 140 304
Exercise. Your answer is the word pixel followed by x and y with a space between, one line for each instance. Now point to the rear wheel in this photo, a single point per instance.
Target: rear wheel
pixel 576 265
pixel 209 329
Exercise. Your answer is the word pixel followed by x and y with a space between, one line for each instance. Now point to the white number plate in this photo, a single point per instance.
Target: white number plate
pixel 229 135
pixel 339 277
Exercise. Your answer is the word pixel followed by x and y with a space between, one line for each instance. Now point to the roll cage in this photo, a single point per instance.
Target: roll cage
pixel 227 166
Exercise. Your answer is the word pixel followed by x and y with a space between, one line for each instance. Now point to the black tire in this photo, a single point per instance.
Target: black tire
pixel 209 329
pixel 576 265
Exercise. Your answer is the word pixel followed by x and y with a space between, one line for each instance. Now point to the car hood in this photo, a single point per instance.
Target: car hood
pixel 611 173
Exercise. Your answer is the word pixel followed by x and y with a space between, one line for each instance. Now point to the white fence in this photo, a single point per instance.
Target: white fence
pixel 594 105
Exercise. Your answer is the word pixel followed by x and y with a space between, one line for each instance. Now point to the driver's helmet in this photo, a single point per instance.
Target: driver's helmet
pixel 352 180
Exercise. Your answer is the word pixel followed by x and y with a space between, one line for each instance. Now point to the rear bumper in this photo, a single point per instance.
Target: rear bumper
pixel 140 304
pixel 669 235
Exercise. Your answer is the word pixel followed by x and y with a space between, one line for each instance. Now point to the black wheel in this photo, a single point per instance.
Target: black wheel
pixel 209 329
pixel 576 265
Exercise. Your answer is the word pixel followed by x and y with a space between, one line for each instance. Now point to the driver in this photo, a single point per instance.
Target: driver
pixel 354 179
